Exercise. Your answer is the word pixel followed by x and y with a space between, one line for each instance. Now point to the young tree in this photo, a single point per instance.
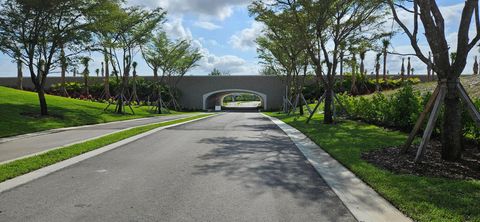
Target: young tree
pixel 133 28
pixel 188 57
pixel 215 72
pixel 162 54
pixel 37 29
pixel 279 46
pixel 105 31
pixel 430 16
pixel 326 30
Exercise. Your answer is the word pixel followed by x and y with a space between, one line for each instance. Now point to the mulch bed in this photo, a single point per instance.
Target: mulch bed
pixel 432 165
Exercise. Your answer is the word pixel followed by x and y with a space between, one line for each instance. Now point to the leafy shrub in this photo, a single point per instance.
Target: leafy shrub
pixel 400 111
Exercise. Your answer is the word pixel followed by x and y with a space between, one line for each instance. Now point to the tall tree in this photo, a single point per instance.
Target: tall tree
pixel 37 29
pixel 430 16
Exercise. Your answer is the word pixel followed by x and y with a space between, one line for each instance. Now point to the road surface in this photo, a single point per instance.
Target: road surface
pixel 17 148
pixel 231 167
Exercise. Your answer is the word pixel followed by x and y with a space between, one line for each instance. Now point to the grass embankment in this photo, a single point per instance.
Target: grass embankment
pixel 421 198
pixel 19 109
pixel 29 164
pixel 471 84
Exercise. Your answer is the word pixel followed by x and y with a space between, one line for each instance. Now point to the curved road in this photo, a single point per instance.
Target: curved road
pixel 231 167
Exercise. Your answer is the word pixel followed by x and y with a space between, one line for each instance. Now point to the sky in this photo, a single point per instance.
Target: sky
pixel 225 34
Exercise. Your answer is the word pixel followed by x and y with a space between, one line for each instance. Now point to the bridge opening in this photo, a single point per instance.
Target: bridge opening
pixel 235 100
pixel 241 101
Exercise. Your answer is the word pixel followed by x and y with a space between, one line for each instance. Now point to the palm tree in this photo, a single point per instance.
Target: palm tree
pixel 134 83
pixel 386 44
pixel 85 61
pixel 377 71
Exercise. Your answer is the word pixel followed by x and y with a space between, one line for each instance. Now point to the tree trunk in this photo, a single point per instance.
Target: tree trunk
pixel 19 75
pixel 328 112
pixel 452 124
pixel 107 76
pixel 42 100
pixel 385 65
pixel 62 81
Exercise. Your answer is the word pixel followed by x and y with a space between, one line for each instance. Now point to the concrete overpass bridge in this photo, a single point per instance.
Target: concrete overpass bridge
pixel 203 92
pixel 206 92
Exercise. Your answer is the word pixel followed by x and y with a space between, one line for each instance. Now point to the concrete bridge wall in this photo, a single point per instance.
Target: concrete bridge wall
pixel 201 92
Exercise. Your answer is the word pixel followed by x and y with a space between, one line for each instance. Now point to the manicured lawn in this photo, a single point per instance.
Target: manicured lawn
pixel 23 166
pixel 421 198
pixel 18 110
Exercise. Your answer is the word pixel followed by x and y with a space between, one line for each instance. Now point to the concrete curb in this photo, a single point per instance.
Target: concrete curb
pixel 82 141
pixel 26 178
pixel 364 203
pixel 51 131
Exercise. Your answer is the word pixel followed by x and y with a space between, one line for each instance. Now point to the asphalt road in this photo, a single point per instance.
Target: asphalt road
pixel 55 138
pixel 231 167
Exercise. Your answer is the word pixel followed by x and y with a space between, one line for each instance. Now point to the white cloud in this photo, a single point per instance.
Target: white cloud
pixel 206 25
pixel 245 39
pixel 219 9
pixel 175 29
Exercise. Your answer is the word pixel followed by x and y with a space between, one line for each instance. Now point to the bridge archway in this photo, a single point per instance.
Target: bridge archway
pixel 215 98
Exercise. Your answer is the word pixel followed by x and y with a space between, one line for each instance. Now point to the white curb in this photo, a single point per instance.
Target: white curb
pixel 364 203
pixel 26 178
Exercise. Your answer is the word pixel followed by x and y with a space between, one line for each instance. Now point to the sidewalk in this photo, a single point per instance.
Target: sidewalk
pixel 30 144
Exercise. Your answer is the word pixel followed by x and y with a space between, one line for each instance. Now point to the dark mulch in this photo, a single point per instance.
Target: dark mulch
pixel 432 165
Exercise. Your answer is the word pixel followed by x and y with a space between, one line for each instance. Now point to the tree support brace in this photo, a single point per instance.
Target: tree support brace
pixel 433 108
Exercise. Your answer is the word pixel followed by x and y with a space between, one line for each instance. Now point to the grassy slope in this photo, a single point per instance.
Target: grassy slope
pixel 421 198
pixel 29 164
pixel 471 84
pixel 64 113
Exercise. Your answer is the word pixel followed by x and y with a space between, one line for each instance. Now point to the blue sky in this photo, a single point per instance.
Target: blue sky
pixel 225 34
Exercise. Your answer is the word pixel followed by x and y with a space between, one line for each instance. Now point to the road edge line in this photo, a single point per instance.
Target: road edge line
pixel 29 177
pixel 362 201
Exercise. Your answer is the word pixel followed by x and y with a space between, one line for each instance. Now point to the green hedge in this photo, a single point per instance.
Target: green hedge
pixel 400 110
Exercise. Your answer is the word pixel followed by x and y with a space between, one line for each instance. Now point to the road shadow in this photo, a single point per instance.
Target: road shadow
pixel 267 162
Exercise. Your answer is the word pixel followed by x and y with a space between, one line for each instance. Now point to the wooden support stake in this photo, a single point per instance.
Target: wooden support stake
pixel 306 103
pixel 295 105
pixel 340 103
pixel 431 123
pixel 421 119
pixel 316 107
pixel 472 110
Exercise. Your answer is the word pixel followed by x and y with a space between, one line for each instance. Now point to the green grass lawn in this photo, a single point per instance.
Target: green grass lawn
pixel 29 164
pixel 17 106
pixel 421 198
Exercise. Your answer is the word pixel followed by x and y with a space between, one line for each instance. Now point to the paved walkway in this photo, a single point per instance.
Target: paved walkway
pixel 230 167
pixel 20 146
